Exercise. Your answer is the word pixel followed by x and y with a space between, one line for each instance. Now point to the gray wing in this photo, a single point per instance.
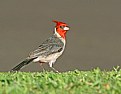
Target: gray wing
pixel 48 47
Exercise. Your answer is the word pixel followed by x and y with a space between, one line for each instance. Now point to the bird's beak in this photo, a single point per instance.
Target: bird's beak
pixel 66 28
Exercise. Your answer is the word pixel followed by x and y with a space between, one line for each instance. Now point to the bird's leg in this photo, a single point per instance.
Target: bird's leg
pixel 50 64
pixel 40 63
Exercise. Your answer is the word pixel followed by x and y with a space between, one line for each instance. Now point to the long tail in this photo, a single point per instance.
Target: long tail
pixel 22 64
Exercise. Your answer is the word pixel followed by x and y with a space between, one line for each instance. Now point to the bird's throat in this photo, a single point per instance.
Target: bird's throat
pixel 61 33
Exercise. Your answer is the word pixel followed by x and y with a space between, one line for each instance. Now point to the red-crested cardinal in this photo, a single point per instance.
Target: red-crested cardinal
pixel 49 50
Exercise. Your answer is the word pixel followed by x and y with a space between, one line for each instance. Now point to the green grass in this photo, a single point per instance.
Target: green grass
pixel 72 82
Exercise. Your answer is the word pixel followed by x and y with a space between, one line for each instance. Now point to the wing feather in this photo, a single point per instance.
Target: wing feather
pixel 48 47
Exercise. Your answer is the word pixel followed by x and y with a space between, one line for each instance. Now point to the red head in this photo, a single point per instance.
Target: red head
pixel 61 28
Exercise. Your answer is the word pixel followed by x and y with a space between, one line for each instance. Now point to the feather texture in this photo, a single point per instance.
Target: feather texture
pixel 52 45
pixel 23 63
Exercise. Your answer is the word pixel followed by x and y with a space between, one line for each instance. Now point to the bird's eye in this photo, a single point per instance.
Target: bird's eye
pixel 61 27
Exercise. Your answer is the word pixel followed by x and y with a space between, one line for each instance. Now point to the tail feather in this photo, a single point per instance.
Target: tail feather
pixel 22 64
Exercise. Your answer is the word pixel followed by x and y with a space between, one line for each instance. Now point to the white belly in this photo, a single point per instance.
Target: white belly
pixel 49 58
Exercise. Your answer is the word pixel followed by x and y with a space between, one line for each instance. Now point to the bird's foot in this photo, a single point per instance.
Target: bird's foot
pixel 55 70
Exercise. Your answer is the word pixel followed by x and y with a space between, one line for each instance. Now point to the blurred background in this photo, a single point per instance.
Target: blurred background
pixel 94 39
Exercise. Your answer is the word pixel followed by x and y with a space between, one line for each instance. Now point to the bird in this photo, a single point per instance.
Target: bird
pixel 49 50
